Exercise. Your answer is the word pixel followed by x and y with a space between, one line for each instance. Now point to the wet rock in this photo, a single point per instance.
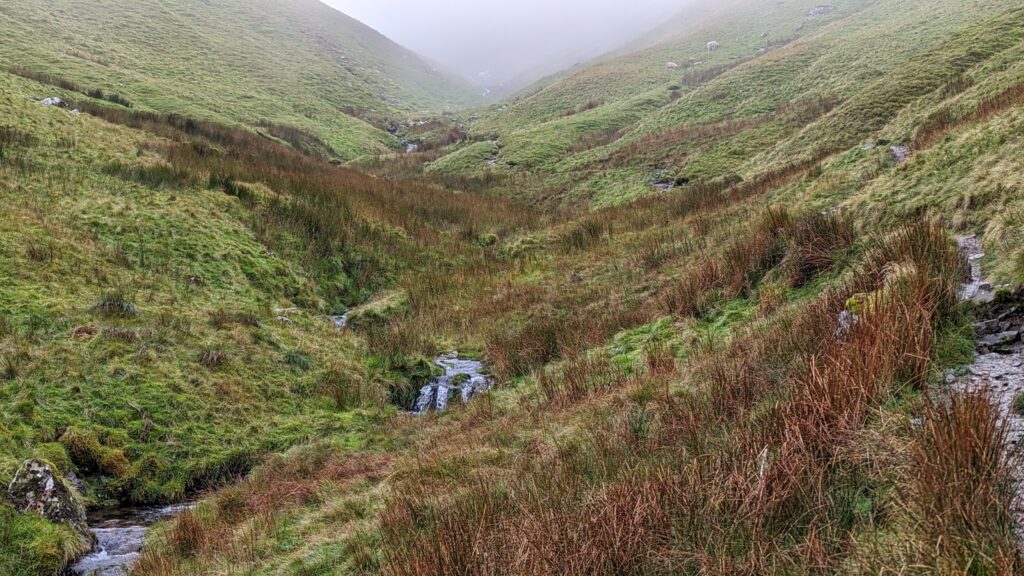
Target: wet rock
pixel 37 488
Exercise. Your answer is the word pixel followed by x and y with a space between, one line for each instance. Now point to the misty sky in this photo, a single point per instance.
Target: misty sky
pixel 493 41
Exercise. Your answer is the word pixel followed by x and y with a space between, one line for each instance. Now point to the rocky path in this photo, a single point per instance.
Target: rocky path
pixel 999 365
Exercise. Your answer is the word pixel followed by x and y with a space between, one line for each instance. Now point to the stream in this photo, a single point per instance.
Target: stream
pixel 462 377
pixel 998 367
pixel 120 533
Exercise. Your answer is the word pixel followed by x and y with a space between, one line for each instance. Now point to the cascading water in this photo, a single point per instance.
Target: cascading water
pixel 460 375
pixel 120 534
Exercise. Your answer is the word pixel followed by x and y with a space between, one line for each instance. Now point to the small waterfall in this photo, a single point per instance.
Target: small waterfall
pixel 460 375
pixel 340 321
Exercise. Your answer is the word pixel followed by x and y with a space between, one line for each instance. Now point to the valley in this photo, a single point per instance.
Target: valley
pixel 709 318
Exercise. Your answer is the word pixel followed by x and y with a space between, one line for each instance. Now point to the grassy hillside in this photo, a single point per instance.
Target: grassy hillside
pixel 166 306
pixel 603 135
pixel 293 62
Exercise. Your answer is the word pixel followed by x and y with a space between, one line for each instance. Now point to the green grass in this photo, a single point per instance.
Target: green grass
pixel 113 292
pixel 30 546
pixel 295 62
pixel 874 60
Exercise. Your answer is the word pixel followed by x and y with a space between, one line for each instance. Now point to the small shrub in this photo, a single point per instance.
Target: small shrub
pixel 213 358
pixel 155 176
pixel 297 359
pixel 343 388
pixel 11 137
pixel 39 251
pixel 221 318
pixel 115 305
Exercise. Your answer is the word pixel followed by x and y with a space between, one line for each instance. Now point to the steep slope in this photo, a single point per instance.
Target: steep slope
pixel 295 62
pixel 607 134
pixel 166 309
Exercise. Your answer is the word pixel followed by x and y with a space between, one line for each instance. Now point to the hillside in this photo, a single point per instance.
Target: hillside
pixel 606 134
pixel 290 62
pixel 722 308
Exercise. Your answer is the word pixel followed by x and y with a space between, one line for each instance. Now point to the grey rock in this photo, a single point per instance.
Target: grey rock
pixel 999 341
pixel 37 488
pixel 900 154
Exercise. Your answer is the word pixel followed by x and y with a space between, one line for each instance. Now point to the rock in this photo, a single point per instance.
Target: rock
pixel 999 342
pixel 713 45
pixel 900 154
pixel 671 65
pixel 987 327
pixel 36 488
pixel 761 52
pixel 845 324
pixel 820 11
pixel 75 482
pixel 54 101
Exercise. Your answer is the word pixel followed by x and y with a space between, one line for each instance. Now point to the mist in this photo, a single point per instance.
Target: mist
pixel 504 45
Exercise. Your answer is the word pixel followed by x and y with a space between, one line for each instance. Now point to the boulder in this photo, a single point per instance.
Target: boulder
pixel 671 65
pixel 713 45
pixel 54 101
pixel 37 488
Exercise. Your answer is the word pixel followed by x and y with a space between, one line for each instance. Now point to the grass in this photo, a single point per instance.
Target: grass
pixel 327 74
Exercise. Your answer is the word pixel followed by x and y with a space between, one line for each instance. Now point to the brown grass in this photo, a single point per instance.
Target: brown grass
pixel 964 487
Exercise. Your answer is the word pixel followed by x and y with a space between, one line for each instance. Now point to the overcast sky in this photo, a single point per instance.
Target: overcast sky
pixel 493 41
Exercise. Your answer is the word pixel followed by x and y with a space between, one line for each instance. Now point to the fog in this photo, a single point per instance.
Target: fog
pixel 504 44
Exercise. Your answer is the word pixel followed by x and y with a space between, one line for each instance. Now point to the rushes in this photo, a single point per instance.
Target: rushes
pixel 115 305
pixel 747 471
pixel 964 488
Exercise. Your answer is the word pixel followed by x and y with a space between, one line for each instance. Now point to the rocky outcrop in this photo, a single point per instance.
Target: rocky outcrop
pixel 38 488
